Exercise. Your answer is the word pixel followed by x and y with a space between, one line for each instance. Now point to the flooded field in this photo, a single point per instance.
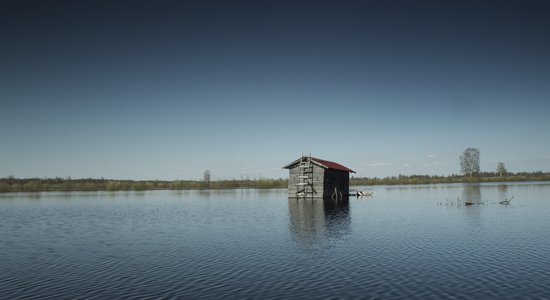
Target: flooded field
pixel 403 242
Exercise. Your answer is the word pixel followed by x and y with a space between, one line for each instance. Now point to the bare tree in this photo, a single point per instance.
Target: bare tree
pixel 206 176
pixel 501 169
pixel 469 161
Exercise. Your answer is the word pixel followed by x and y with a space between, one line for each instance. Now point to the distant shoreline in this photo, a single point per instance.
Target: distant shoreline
pixel 430 179
pixel 11 184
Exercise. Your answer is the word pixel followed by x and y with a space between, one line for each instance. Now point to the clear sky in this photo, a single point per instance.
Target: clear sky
pixel 169 89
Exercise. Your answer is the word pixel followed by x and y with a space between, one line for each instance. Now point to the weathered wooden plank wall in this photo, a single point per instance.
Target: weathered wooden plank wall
pixel 318 181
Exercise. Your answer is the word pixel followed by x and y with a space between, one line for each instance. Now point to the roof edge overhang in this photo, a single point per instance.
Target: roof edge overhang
pixel 292 164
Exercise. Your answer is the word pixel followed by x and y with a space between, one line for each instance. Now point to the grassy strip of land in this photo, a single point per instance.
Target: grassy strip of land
pixel 430 179
pixel 11 184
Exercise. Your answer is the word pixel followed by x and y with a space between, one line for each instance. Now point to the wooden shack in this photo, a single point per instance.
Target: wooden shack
pixel 311 177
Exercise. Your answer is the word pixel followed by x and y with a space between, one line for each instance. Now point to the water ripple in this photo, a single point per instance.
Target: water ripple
pixel 244 245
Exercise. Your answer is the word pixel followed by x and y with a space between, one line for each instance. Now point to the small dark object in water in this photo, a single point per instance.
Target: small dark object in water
pixel 361 194
pixel 506 201
pixel 469 203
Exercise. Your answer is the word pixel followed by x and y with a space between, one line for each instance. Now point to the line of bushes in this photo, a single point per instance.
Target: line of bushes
pixel 428 179
pixel 11 184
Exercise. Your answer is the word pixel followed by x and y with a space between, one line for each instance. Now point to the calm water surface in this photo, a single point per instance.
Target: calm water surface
pixel 405 242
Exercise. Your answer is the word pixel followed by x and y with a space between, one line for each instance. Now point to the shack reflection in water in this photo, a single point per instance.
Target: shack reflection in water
pixel 312 221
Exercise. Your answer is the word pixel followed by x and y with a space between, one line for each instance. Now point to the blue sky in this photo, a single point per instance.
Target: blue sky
pixel 166 90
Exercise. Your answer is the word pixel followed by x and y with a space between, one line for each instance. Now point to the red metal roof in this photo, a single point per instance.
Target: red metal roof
pixel 323 163
pixel 331 165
